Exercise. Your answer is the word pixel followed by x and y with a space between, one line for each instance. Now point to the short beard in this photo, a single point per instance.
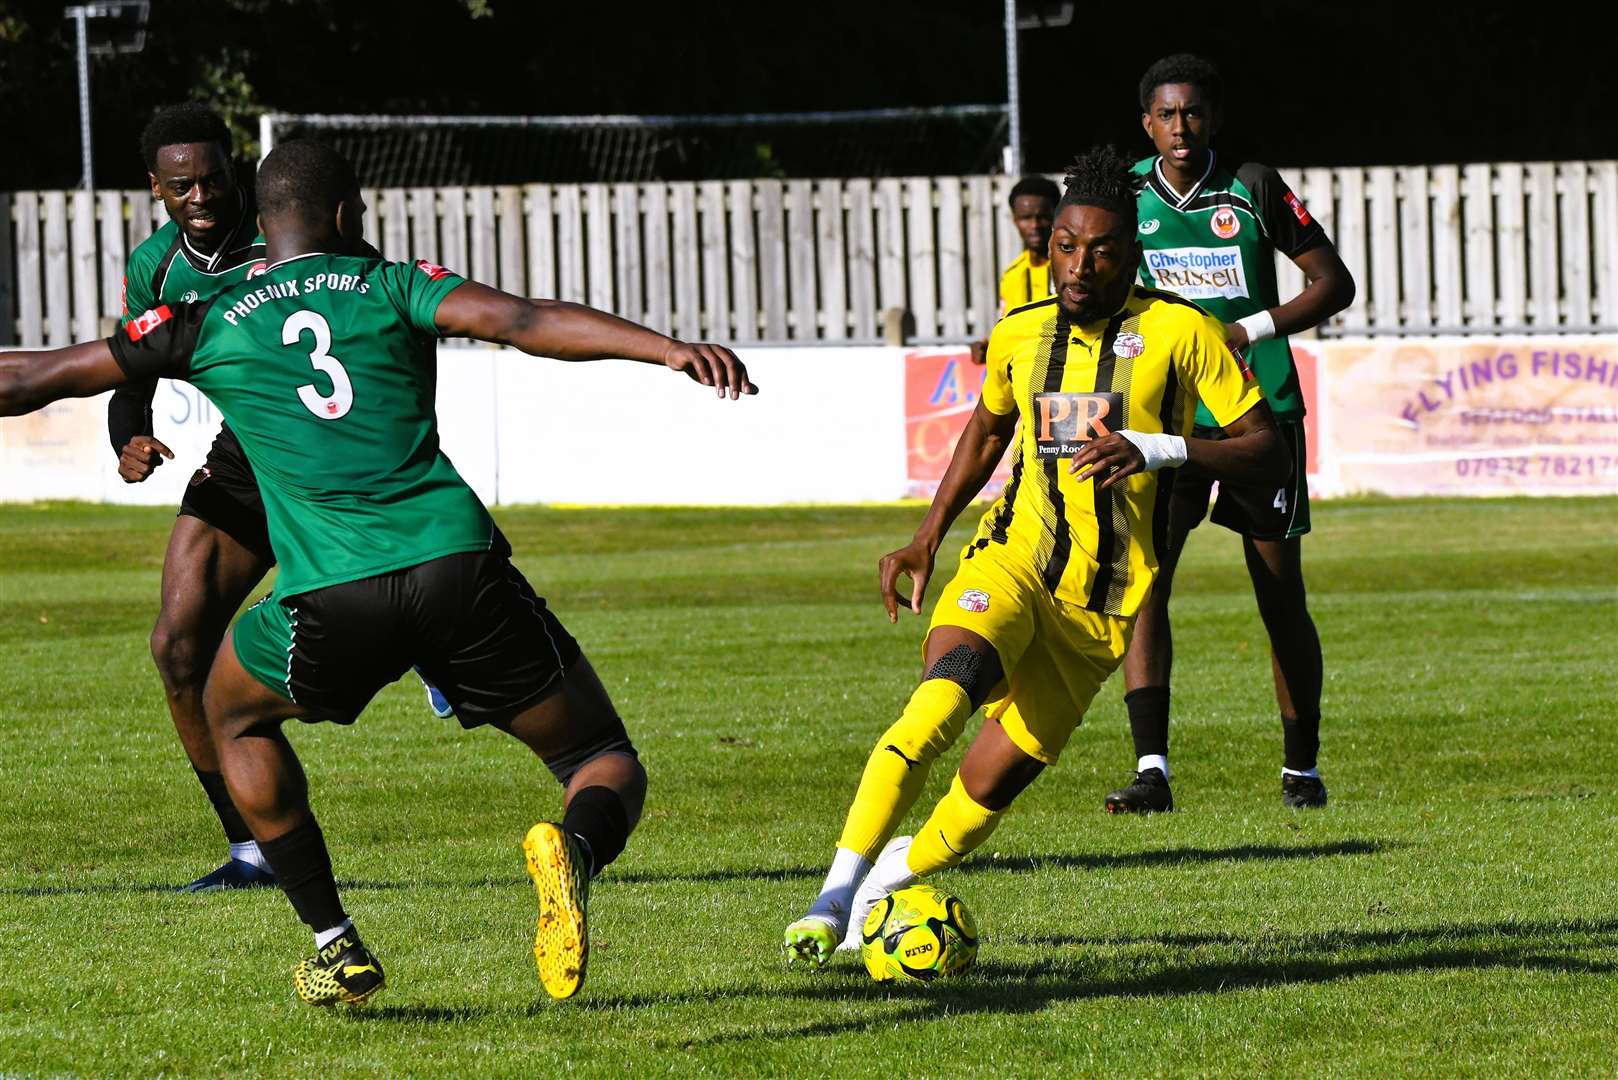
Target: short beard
pixel 1100 305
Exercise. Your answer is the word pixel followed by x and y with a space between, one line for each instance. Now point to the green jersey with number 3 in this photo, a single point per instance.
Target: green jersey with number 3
pixel 325 367
pixel 1216 244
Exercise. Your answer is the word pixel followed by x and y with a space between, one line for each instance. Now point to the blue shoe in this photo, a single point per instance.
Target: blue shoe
pixel 235 874
pixel 437 702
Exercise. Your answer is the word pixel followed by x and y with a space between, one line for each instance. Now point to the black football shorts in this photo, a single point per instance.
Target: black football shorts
pixel 1259 511
pixel 470 621
pixel 224 493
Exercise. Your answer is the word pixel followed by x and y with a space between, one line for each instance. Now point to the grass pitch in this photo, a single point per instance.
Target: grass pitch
pixel 1454 911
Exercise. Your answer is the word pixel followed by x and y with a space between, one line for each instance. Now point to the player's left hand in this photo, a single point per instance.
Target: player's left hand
pixel 140 456
pixel 710 365
pixel 1236 337
pixel 1110 452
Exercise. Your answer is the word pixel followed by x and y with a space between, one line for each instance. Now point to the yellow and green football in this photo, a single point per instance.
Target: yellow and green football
pixel 919 933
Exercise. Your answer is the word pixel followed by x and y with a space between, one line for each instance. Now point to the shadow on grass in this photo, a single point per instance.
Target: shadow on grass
pixel 1162 857
pixel 1176 856
pixel 1013 986
pixel 1085 861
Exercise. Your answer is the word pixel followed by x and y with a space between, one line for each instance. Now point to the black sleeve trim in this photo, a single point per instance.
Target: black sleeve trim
pixel 158 343
pixel 1282 221
pixel 129 411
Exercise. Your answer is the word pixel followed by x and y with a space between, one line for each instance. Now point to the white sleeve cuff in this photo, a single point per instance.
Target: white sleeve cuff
pixel 1259 326
pixel 1160 451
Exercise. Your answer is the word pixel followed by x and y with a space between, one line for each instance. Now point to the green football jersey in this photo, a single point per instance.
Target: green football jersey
pixel 325 367
pixel 1216 245
pixel 166 269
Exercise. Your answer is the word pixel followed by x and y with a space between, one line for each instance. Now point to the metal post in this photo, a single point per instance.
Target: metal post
pixel 78 15
pixel 266 134
pixel 1013 100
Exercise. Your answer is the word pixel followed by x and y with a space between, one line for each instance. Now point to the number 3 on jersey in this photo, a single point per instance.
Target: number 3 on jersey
pixel 336 406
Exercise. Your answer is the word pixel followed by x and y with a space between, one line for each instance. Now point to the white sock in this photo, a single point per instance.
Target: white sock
pixel 249 853
pixel 848 870
pixel 892 871
pixel 1305 772
pixel 326 937
pixel 1154 761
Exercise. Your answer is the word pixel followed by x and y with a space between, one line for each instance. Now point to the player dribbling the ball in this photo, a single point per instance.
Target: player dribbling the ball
pixel 1104 377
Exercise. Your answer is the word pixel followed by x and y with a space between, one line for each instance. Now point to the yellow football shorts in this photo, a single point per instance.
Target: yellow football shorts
pixel 1055 654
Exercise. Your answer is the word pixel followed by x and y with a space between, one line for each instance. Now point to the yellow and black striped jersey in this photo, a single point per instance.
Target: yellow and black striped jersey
pixel 1023 283
pixel 1144 368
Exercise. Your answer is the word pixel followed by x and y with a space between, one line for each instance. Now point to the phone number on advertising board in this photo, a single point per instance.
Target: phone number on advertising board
pixel 1538 465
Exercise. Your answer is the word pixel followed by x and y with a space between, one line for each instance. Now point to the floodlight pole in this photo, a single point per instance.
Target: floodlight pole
pixel 1013 99
pixel 79 14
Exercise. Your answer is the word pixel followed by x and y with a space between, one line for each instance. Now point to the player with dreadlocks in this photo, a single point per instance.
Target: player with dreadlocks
pixel 1104 377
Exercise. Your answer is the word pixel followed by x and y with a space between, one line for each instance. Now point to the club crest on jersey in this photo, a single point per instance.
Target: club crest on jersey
pixel 258 268
pixel 1064 422
pixel 432 270
pixel 1149 226
pixel 1298 210
pixel 1128 345
pixel 189 297
pixel 1224 223
pixel 147 321
pixel 974 600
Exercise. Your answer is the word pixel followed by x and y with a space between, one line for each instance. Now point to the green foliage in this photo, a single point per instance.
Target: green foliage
pixel 1451 913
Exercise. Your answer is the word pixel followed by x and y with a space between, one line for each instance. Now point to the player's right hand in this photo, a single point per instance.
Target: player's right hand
pixel 915 560
pixel 710 365
pixel 979 352
pixel 141 455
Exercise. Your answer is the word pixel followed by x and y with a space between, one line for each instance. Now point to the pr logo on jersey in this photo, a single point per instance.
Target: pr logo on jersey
pixel 1298 210
pixel 432 270
pixel 1128 345
pixel 257 268
pixel 1063 423
pixel 189 296
pixel 147 321
pixel 974 600
pixel 1224 223
pixel 1149 226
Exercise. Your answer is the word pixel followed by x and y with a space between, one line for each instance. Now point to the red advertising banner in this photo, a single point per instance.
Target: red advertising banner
pixel 941 390
pixel 1467 416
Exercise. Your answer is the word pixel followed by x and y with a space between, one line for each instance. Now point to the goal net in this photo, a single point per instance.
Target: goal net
pixel 433 151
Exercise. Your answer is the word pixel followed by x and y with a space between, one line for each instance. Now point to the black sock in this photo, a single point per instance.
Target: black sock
pixel 1301 736
pixel 1149 719
pixel 236 830
pixel 597 816
pixel 303 868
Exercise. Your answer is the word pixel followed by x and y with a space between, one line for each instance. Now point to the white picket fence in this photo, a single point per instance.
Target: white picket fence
pixel 1485 248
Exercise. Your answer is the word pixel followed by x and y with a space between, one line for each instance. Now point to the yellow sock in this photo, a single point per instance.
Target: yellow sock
pixel 957 826
pixel 933 719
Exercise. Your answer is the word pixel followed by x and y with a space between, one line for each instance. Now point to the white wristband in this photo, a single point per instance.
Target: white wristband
pixel 1160 451
pixel 1259 326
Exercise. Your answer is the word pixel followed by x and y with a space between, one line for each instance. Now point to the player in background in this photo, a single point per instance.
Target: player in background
pixel 325 366
pixel 1210 229
pixel 219 548
pixel 1097 383
pixel 1033 202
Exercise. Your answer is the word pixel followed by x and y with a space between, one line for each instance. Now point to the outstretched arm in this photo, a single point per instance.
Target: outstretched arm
pixel 32 380
pixel 565 331
pixel 979 450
